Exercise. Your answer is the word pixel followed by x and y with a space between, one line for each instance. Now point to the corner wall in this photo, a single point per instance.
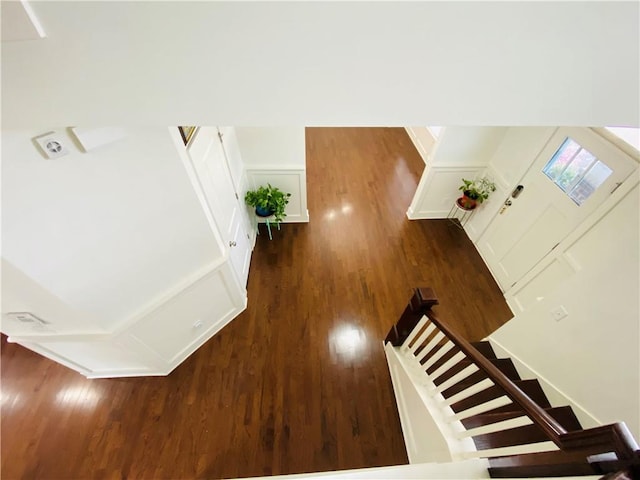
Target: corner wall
pixel 277 155
pixel 459 152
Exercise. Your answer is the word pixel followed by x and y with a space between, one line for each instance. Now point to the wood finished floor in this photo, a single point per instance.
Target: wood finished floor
pixel 298 382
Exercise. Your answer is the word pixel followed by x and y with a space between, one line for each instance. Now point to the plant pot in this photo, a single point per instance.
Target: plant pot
pixel 467 202
pixel 264 212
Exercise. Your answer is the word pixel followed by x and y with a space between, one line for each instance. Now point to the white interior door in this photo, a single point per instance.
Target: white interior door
pixel 215 178
pixel 573 174
pixel 235 165
pixel 231 148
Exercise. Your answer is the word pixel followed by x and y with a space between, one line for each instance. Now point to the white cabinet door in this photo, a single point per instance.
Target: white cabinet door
pixel 209 161
pixel 573 174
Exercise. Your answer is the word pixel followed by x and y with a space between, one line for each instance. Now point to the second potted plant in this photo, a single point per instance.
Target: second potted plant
pixel 268 201
pixel 475 191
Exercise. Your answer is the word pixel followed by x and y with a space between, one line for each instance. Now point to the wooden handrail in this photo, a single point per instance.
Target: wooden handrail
pixel 608 438
pixel 617 435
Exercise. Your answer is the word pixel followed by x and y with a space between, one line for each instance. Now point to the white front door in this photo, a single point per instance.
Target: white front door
pixel 223 200
pixel 573 174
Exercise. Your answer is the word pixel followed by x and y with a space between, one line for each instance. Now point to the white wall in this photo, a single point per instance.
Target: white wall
pixel 272 146
pixel 592 355
pixel 459 152
pixel 326 63
pixel 22 294
pixel 466 145
pixel 105 232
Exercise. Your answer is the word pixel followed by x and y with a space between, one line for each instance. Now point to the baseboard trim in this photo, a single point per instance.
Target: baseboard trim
pixel 60 337
pixel 427 214
pixel 410 214
pixel 125 373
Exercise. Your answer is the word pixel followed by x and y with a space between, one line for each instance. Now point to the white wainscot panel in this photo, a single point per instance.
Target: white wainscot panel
pixel 292 180
pixel 94 358
pixel 180 326
pixel 439 191
pixel 529 292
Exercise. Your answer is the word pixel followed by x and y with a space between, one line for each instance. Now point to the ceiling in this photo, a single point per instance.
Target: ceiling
pixel 325 63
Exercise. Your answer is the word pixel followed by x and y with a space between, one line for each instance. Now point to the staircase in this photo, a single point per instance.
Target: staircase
pixel 458 401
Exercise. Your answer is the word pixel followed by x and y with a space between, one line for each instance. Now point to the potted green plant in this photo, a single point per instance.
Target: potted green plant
pixel 475 191
pixel 268 201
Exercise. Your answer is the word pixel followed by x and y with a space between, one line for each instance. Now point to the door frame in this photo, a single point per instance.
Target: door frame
pixel 183 153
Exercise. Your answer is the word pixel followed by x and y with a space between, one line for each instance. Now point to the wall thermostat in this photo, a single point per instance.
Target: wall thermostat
pixel 52 144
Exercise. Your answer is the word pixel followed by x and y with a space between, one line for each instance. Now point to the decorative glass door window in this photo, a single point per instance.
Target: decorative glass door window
pixel 576 171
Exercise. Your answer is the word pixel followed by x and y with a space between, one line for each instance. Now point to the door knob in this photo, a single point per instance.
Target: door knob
pixel 232 243
pixel 507 204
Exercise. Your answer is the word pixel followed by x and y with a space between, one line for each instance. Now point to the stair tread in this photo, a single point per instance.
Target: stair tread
pixel 505 365
pixel 510 437
pixel 457 368
pixel 531 387
pixel 525 434
pixel 564 415
pixel 460 386
pixel 555 463
pixel 442 360
pixel 440 344
pixel 484 348
pixel 538 458
pixel 514 407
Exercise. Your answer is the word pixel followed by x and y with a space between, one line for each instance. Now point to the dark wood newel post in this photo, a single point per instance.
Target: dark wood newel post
pixel 421 302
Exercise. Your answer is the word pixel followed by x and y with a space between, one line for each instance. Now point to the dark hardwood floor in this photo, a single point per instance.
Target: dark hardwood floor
pixel 298 382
